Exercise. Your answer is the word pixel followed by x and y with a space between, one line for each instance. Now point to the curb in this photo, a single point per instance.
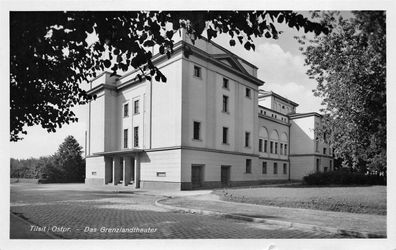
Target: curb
pixel 52 236
pixel 315 228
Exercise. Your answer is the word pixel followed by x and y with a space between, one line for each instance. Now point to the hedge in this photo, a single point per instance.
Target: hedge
pixel 343 177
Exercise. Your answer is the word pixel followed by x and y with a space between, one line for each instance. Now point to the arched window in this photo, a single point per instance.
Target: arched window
pixel 263 139
pixel 274 138
pixel 283 144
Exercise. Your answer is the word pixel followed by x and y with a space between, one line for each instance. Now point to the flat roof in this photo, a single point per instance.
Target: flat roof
pixel 120 152
pixel 269 93
pixel 302 115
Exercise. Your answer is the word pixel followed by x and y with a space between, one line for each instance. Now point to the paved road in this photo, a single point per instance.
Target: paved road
pixel 75 212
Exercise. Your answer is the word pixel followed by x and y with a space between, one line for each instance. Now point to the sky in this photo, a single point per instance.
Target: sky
pixel 281 67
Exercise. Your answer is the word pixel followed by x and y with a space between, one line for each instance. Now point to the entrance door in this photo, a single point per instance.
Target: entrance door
pixel 225 175
pixel 196 176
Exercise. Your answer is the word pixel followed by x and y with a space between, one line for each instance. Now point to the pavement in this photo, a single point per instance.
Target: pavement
pixel 77 211
pixel 347 224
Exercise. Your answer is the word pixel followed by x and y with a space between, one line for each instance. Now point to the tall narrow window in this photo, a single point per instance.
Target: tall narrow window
pixel 248 94
pixel 225 135
pixel 136 136
pixel 136 107
pixel 284 168
pixel 225 83
pixel 286 149
pixel 248 166
pixel 275 168
pixel 324 151
pixel 271 147
pixel 317 165
pixel 225 103
pixel 125 138
pixel 247 139
pixel 265 146
pixel 264 170
pixel 260 145
pixel 317 144
pixel 196 132
pixel 197 71
pixel 126 109
pixel 281 149
pixel 276 148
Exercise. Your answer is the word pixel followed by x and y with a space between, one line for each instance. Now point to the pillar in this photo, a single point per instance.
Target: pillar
pixel 108 170
pixel 127 170
pixel 116 170
pixel 137 171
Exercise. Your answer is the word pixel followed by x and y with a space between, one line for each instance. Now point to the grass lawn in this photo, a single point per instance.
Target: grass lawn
pixel 367 199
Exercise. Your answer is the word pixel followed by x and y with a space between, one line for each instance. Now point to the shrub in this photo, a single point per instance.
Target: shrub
pixel 343 177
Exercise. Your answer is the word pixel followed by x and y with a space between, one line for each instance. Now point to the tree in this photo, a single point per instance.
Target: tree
pixel 67 164
pixel 349 65
pixel 50 57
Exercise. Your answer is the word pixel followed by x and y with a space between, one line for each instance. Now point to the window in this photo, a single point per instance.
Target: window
pixel 248 94
pixel 260 145
pixel 276 147
pixel 136 107
pixel 317 165
pixel 281 149
pixel 324 151
pixel 161 174
pixel 225 103
pixel 225 135
pixel 248 166
pixel 286 149
pixel 136 136
pixel 284 168
pixel 317 144
pixel 125 138
pixel 271 147
pixel 247 139
pixel 265 146
pixel 225 83
pixel 275 168
pixel 197 71
pixel 126 109
pixel 196 132
pixel 264 167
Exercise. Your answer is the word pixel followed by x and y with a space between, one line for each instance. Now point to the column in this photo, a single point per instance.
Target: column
pixel 127 170
pixel 116 172
pixel 108 170
pixel 137 171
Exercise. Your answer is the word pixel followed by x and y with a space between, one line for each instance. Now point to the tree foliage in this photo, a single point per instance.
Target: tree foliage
pixel 349 65
pixel 66 165
pixel 50 55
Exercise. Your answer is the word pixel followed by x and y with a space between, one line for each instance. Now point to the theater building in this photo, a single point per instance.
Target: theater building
pixel 210 125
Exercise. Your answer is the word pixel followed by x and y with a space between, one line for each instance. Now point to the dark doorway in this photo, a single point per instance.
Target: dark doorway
pixel 196 176
pixel 225 176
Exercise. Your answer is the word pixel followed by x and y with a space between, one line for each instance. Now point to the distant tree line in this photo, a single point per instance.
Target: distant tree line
pixel 66 165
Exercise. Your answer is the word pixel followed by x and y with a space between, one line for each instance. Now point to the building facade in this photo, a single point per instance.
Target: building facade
pixel 208 126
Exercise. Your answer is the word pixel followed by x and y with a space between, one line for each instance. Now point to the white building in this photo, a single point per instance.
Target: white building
pixel 207 126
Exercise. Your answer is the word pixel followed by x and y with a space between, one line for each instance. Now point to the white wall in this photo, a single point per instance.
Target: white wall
pixel 302 166
pixel 95 164
pixel 302 139
pixel 213 161
pixel 161 161
pixel 96 130
pixel 202 102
